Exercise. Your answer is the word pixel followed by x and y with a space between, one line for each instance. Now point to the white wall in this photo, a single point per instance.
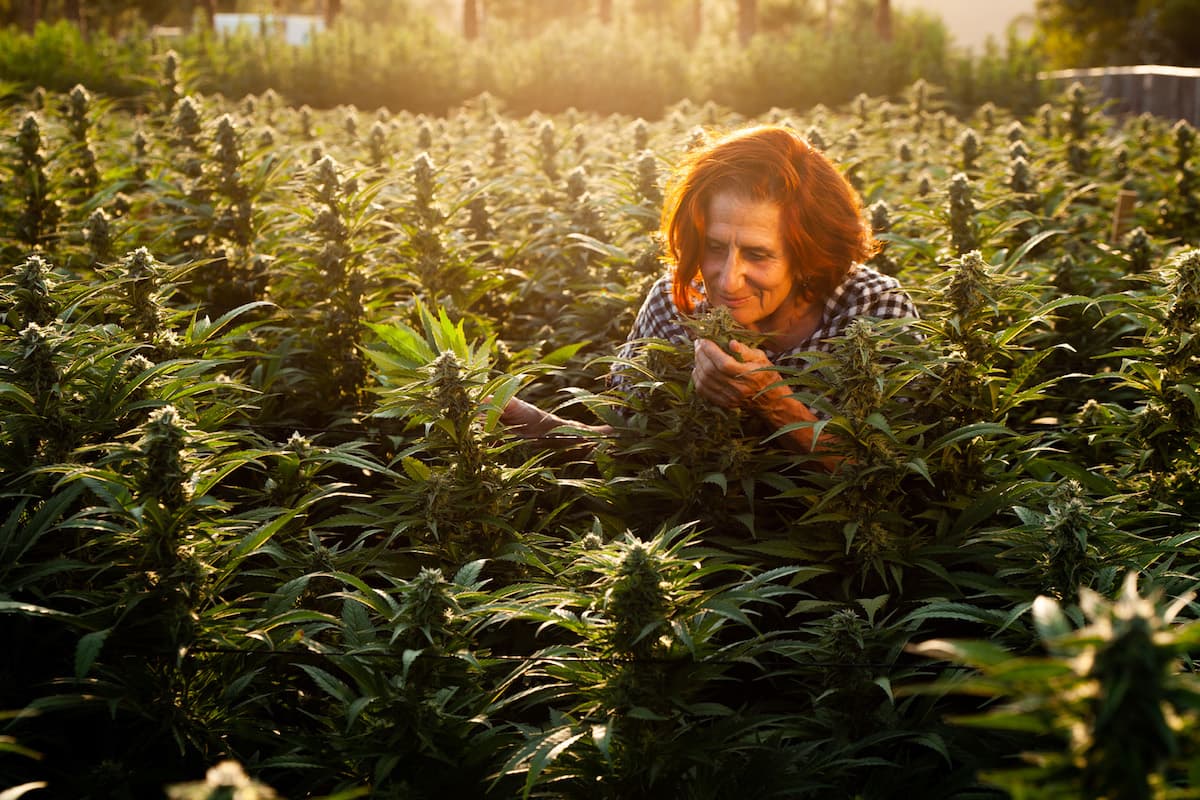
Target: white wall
pixel 294 28
pixel 970 22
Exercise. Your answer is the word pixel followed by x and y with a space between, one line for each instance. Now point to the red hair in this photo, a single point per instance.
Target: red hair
pixel 824 231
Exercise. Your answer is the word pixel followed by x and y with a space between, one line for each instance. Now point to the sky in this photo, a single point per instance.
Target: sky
pixel 971 21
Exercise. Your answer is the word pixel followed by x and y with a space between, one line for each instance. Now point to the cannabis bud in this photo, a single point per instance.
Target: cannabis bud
pixel 814 137
pixel 647 170
pixel 636 603
pixel 962 214
pixel 326 180
pixel 881 217
pixel 969 142
pixel 1020 178
pixel 576 183
pixel 163 475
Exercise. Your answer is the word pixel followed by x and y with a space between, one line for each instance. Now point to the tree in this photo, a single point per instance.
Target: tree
pixel 883 20
pixel 32 13
pixel 532 17
pixel 606 11
pixel 470 19
pixel 210 12
pixel 332 9
pixel 1092 33
pixel 747 19
pixel 788 15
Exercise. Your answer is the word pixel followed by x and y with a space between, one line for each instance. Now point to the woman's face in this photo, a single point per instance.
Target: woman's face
pixel 744 264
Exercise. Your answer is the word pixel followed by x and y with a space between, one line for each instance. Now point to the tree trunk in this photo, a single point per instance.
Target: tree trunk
pixel 697 18
pixel 470 19
pixel 210 13
pixel 332 9
pixel 33 14
pixel 606 12
pixel 883 20
pixel 73 12
pixel 828 18
pixel 747 19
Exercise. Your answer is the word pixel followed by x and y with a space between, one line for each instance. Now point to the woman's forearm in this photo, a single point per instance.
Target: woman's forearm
pixel 747 379
pixel 530 422
pixel 780 408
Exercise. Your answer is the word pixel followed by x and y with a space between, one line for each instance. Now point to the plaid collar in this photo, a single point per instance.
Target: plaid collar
pixel 863 291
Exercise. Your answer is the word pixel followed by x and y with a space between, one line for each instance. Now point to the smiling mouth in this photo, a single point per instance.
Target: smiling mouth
pixel 734 302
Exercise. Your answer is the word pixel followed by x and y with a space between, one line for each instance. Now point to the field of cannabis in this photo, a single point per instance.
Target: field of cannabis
pixel 257 504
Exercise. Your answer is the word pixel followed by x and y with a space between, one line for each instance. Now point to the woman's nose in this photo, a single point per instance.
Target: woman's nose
pixel 731 270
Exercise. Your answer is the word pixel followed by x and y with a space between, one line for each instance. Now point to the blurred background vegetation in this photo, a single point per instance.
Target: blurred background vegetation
pixel 626 56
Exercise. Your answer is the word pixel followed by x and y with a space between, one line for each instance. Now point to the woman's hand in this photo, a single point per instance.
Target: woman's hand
pixel 749 381
pixel 733 381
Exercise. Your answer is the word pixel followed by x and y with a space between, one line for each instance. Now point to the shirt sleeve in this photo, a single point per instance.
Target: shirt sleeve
pixel 893 304
pixel 656 319
pixel 867 293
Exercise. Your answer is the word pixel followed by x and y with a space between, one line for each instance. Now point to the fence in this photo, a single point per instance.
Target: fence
pixel 1171 92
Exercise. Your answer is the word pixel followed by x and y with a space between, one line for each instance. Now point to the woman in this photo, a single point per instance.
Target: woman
pixel 765 225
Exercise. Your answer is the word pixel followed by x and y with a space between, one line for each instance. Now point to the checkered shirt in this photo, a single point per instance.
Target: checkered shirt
pixel 863 293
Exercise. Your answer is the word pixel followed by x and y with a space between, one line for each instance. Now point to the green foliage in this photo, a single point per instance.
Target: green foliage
pixel 1077 33
pixel 1114 715
pixel 636 65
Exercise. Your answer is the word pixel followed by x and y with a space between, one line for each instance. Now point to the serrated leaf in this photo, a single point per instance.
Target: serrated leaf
pixel 935 743
pixel 880 423
pixel 602 738
pixel 975 430
pixel 1017 721
pixel 22 397
pixel 14 792
pixel 641 712
pixel 88 650
pixel 408 658
pixel 717 479
pixel 1049 619
pixel 539 753
pixel 709 709
pixel 872 605
pixel 563 354
pixel 416 469
pixel 329 684
pixel 356 708
pixel 468 574
pixel 972 653
pixel 13 607
pixel 411 348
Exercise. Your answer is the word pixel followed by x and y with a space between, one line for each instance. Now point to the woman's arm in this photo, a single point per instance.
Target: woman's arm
pixel 529 421
pixel 749 381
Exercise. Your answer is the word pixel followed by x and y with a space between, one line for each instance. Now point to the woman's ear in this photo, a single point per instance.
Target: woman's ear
pixel 800 287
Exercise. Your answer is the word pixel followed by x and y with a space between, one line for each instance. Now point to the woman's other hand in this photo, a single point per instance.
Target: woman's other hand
pixel 530 422
pixel 527 419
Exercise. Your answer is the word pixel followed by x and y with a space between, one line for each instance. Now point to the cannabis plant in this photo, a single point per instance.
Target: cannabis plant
pixel 1110 703
pixel 37 211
